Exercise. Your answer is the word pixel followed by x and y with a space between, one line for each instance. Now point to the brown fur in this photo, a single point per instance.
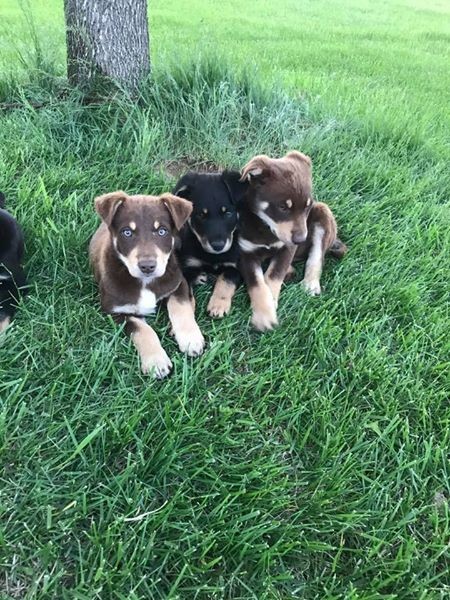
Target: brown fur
pixel 134 263
pixel 280 222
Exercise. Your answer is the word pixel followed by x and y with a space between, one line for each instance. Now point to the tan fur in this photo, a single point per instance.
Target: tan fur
pixel 220 301
pixel 184 328
pixel 4 324
pixel 263 305
pixel 152 355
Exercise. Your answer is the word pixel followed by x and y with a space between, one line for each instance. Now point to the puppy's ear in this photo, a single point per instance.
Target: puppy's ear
pixel 257 169
pixel 179 209
pixel 107 205
pixel 296 155
pixel 184 186
pixel 236 187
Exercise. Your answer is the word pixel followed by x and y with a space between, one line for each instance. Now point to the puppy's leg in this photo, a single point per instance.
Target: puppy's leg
pixel 152 355
pixel 261 298
pixel 278 269
pixel 314 262
pixel 324 230
pixel 4 323
pixel 226 285
pixel 184 327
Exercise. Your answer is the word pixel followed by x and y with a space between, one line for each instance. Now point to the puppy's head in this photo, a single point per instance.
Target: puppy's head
pixel 143 229
pixel 215 197
pixel 281 192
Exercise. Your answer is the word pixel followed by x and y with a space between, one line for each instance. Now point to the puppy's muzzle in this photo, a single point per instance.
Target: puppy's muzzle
pixel 147 266
pixel 218 245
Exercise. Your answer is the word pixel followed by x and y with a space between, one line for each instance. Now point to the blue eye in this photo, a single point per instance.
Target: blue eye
pixel 162 231
pixel 126 232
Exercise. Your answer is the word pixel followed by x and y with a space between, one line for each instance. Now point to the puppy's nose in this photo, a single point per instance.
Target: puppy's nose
pixel 147 266
pixel 218 245
pixel 298 237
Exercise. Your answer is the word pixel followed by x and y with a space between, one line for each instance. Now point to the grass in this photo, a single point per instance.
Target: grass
pixel 311 462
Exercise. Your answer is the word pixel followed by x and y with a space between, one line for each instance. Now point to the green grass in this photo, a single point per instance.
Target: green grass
pixel 310 462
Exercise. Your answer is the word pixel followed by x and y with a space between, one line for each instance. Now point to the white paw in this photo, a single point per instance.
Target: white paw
pixel 192 342
pixel 264 321
pixel 312 287
pixel 159 364
pixel 218 307
pixel 201 279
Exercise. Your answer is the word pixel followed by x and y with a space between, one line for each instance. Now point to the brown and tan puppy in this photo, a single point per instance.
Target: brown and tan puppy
pixel 280 222
pixel 134 263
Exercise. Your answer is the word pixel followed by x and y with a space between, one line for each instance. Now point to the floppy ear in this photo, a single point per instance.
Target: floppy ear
pixel 107 205
pixel 184 186
pixel 296 155
pixel 257 169
pixel 179 209
pixel 236 187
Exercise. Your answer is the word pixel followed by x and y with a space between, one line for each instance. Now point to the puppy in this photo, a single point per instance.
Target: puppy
pixel 12 276
pixel 209 240
pixel 279 222
pixel 134 263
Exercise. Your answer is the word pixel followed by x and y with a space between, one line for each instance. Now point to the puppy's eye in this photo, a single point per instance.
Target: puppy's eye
pixel 162 231
pixel 126 232
pixel 227 213
pixel 285 208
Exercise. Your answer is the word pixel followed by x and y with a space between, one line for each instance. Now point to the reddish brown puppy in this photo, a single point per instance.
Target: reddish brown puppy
pixel 280 222
pixel 134 263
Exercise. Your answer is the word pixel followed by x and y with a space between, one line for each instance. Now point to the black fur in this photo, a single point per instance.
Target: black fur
pixel 219 194
pixel 12 276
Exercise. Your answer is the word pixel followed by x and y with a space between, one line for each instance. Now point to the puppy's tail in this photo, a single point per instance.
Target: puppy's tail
pixel 2 200
pixel 338 248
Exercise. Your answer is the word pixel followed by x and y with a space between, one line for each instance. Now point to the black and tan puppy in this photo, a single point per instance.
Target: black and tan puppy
pixel 281 222
pixel 132 254
pixel 209 239
pixel 12 276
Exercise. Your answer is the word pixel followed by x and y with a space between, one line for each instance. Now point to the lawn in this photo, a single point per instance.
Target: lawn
pixel 309 462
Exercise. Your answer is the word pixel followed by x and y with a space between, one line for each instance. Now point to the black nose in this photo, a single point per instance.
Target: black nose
pixel 298 237
pixel 147 266
pixel 218 245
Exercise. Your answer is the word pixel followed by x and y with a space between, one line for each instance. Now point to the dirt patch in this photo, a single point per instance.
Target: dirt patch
pixel 176 168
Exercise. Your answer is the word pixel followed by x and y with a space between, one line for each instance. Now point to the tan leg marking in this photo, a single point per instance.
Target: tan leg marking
pixel 185 329
pixel 290 273
pixel 220 302
pixel 152 355
pixel 275 287
pixel 263 304
pixel 277 270
pixel 4 324
pixel 314 262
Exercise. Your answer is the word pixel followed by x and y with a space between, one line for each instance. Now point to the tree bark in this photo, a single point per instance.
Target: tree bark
pixel 107 39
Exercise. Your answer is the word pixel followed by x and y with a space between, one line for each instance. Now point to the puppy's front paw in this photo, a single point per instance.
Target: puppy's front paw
pixel 157 363
pixel 312 286
pixel 218 307
pixel 192 342
pixel 264 321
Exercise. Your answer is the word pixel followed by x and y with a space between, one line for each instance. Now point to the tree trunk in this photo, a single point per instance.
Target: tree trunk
pixel 107 38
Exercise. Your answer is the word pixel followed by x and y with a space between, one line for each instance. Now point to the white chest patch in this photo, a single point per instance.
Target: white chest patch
pixel 146 305
pixel 248 246
pixel 4 276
